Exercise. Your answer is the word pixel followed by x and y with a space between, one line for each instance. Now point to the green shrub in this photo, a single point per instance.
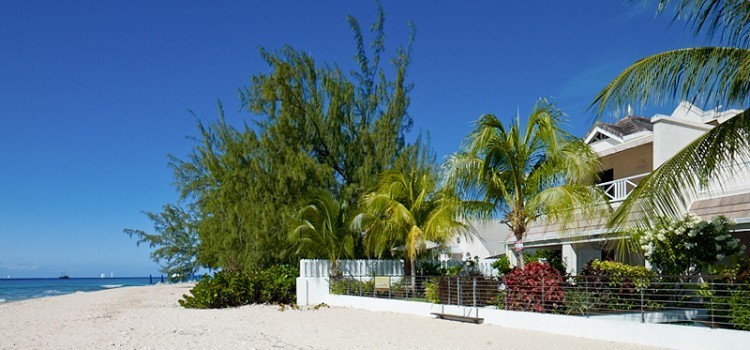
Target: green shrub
pixel 431 292
pixel 689 245
pixel 538 288
pixel 232 288
pixel 552 257
pixel 739 309
pixel 579 302
pixel 614 285
pixel 502 265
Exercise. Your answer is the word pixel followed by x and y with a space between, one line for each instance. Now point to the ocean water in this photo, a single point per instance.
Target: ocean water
pixel 16 289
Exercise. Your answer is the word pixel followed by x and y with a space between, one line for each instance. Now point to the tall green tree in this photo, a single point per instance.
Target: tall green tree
pixel 313 128
pixel 406 210
pixel 324 230
pixel 710 76
pixel 176 240
pixel 521 174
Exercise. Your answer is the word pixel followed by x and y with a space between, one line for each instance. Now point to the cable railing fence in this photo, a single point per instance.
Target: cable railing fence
pixel 703 302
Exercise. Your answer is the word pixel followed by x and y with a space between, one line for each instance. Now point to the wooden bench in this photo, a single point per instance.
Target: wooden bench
pixel 460 318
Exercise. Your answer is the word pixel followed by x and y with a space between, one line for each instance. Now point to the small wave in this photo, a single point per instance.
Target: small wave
pixel 110 286
pixel 52 292
pixel 2 300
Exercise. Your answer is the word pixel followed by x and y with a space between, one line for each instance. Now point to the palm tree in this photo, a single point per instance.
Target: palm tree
pixel 323 230
pixel 522 174
pixel 706 75
pixel 408 209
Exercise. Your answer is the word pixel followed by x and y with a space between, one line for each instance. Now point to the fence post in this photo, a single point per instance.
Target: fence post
pixel 449 290
pixel 543 301
pixel 711 303
pixel 643 314
pixel 458 290
pixel 389 287
pixel 506 296
pixel 474 291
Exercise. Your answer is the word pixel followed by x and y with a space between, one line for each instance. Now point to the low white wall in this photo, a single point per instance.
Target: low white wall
pixel 312 290
pixel 660 335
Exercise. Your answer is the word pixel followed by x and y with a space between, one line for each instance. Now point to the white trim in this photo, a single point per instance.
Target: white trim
pixel 599 130
pixel 633 143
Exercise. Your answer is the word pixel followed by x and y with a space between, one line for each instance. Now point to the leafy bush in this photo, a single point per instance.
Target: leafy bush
pixel 431 292
pixel 689 245
pixel 535 288
pixel 502 265
pixel 730 299
pixel 580 301
pixel 233 288
pixel 552 257
pixel 614 285
pixel 739 309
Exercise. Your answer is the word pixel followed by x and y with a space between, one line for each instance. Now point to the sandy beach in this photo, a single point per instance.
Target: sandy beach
pixel 150 318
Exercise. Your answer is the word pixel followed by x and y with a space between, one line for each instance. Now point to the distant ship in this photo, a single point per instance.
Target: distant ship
pixel 63 276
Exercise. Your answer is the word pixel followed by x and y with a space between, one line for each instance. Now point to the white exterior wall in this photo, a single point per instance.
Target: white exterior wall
pixel 671 135
pixel 471 244
pixel 576 256
pixel 630 162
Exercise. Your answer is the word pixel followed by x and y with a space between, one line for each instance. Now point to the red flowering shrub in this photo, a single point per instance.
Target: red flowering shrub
pixel 535 288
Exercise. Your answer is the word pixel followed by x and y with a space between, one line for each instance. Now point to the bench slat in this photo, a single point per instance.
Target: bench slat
pixel 460 318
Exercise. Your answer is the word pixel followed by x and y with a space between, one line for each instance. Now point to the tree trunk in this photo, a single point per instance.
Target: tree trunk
pixel 521 261
pixel 413 279
pixel 409 271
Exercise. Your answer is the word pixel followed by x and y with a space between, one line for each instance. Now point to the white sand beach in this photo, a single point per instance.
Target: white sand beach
pixel 150 318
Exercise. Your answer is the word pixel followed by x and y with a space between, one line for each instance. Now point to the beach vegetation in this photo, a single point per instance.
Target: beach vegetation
pixel 707 75
pixel 407 210
pixel 176 240
pixel 311 127
pixel 323 230
pixel 522 173
pixel 273 285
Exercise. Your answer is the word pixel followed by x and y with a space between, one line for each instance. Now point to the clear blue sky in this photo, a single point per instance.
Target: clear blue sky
pixel 95 94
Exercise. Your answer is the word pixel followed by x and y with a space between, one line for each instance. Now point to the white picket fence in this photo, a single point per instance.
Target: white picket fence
pixel 364 268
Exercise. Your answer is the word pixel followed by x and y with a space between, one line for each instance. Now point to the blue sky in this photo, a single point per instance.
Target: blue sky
pixel 95 94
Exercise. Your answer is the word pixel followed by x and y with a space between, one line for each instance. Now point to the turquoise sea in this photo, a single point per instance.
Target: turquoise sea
pixel 15 289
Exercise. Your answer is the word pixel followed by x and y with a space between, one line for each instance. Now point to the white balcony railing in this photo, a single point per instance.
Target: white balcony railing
pixel 619 189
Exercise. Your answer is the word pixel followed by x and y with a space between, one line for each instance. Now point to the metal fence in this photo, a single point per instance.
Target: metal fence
pixel 368 268
pixel 705 302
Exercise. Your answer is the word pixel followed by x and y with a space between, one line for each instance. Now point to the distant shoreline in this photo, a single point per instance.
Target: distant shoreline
pixel 19 289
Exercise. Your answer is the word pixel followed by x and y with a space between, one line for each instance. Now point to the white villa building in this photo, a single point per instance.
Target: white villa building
pixel 629 149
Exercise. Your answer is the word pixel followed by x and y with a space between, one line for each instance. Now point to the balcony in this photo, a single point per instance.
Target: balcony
pixel 618 190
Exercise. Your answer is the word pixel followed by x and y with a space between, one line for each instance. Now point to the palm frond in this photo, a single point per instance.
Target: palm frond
pixel 703 75
pixel 729 19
